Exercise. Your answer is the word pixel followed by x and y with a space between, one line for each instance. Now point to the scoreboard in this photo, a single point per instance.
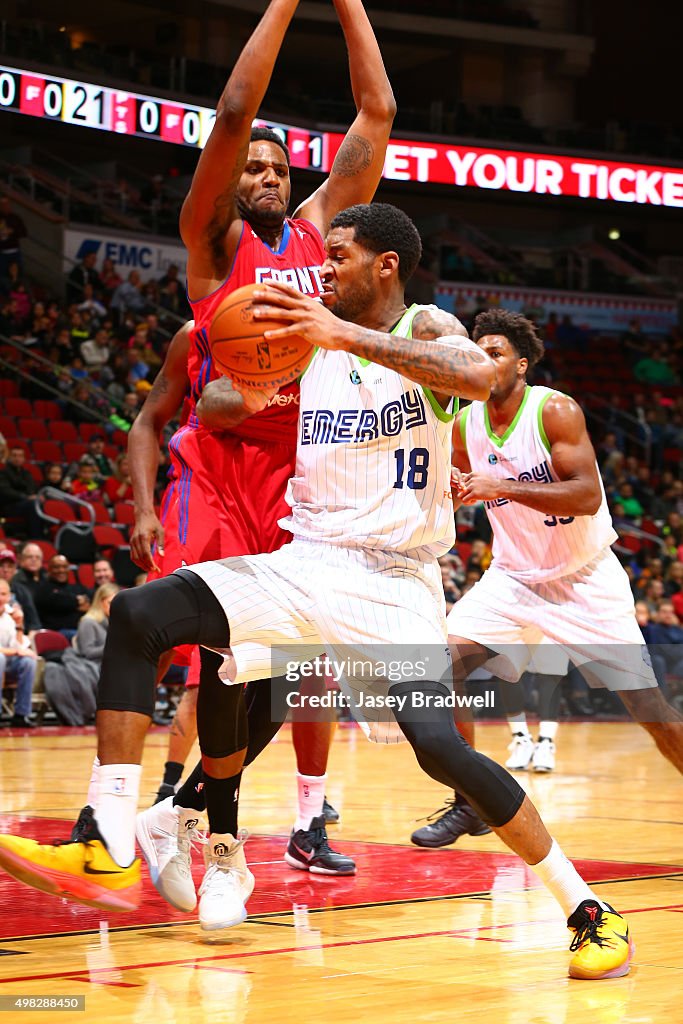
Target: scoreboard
pixel 130 113
pixel 417 160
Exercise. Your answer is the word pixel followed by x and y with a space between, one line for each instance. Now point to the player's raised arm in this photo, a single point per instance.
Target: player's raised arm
pixel 161 404
pixel 358 165
pixel 209 209
pixel 576 493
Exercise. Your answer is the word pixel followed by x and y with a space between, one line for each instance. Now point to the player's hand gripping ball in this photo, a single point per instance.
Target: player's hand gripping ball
pixel 241 352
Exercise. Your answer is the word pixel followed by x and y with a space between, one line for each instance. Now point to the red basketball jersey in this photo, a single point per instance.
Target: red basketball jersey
pixel 297 263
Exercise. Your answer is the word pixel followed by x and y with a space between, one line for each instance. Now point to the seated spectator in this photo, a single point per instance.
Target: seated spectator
pixel 81 274
pixel 655 369
pixel 30 572
pixel 86 485
pixel 65 347
pixel 96 453
pixel 90 405
pixel 103 572
pixel 17 488
pixel 92 306
pixel 80 328
pixel 480 557
pixel 71 684
pixel 119 486
pixel 96 351
pixel 60 604
pixel 138 369
pixel 4 450
pixel 16 663
pixel 631 507
pixel 19 592
pixel 53 476
pixel 110 277
pixel 667 635
pixel 128 296
pixel 673 579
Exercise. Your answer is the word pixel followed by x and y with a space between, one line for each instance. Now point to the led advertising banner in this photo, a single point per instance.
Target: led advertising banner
pixel 149 117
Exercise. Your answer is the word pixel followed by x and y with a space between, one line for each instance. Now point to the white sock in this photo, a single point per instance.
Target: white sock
pixel 560 876
pixel 310 797
pixel 518 724
pixel 547 730
pixel 116 807
pixel 94 783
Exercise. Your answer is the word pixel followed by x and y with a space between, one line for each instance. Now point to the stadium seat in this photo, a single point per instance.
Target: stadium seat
pixel 120 439
pixel 60 511
pixel 88 430
pixel 35 471
pixel 107 537
pixel 9 388
pixel 63 430
pixel 86 575
pixel 112 451
pixel 33 429
pixel 73 450
pixel 18 407
pixel 124 513
pixel 125 570
pixel 47 451
pixel 100 511
pixel 8 426
pixel 47 547
pixel 47 410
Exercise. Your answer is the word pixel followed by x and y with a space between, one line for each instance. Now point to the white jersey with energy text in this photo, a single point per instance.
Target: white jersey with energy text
pixel 528 545
pixel 373 458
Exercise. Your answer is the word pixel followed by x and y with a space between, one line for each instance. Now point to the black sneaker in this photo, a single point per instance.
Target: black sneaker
pixel 85 827
pixel 21 722
pixel 454 820
pixel 330 814
pixel 165 790
pixel 309 850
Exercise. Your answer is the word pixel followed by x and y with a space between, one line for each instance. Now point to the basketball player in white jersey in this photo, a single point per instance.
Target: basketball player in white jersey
pixel 526 454
pixel 371 512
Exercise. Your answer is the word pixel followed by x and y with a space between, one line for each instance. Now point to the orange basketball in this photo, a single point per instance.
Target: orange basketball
pixel 241 352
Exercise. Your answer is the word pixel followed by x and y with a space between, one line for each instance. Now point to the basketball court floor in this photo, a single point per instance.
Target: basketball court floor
pixel 461 934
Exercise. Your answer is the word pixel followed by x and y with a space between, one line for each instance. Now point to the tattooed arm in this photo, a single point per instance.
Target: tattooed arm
pixel 210 224
pixel 439 356
pixel 358 165
pixel 160 406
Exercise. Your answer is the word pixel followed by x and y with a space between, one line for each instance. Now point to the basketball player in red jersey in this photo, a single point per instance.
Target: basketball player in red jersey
pixel 232 458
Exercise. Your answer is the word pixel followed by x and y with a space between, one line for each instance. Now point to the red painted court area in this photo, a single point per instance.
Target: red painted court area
pixel 386 873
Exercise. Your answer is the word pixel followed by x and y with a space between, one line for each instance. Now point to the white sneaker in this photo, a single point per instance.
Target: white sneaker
pixel 522 749
pixel 544 755
pixel 228 883
pixel 166 834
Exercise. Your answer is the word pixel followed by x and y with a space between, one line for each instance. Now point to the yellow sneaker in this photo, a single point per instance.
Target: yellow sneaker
pixel 602 946
pixel 81 869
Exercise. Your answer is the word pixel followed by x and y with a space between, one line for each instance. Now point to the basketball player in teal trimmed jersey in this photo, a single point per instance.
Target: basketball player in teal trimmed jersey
pixel 526 454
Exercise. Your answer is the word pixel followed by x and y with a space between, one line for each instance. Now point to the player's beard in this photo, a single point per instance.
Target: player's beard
pixel 355 302
pixel 270 219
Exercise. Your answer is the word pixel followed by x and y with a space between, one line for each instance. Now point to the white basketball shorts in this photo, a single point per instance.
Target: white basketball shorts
pixel 589 613
pixel 358 604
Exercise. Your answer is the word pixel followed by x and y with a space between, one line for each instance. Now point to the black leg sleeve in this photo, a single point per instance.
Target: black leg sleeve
pixel 145 622
pixel 444 755
pixel 221 711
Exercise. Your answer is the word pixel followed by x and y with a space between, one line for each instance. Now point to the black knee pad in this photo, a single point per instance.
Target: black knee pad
pixel 221 710
pixel 445 756
pixel 145 622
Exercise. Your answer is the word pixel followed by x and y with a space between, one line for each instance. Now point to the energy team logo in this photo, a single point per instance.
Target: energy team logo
pixel 493 458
